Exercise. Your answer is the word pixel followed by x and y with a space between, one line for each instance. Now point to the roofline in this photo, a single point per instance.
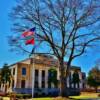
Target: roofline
pixel 19 62
pixel 72 66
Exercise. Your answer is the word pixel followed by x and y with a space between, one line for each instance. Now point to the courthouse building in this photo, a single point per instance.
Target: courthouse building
pixel 21 80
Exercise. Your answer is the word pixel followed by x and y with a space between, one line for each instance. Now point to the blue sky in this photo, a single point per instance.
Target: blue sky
pixel 86 62
pixel 5 30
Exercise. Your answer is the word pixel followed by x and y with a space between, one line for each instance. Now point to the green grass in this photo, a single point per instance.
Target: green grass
pixel 72 97
pixel 48 98
pixel 86 95
pixel 82 97
pixel 42 99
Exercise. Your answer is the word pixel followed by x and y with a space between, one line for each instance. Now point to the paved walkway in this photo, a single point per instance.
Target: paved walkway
pixel 7 98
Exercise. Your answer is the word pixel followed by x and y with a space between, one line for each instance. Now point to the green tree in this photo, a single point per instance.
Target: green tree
pixel 93 79
pixel 75 79
pixel 52 77
pixel 66 28
pixel 5 75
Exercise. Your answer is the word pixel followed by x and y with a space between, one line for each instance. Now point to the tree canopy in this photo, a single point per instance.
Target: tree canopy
pixel 94 77
pixel 5 74
pixel 52 77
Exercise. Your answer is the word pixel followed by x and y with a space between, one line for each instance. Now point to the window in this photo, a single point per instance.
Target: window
pixel 36 72
pixel 43 73
pixel 12 83
pixel 23 71
pixel 43 84
pixel 23 84
pixel 36 84
pixel 13 71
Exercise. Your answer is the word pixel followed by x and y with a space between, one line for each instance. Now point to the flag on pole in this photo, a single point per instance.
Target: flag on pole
pixel 31 41
pixel 29 36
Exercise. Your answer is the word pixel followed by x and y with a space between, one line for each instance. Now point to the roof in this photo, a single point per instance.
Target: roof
pixel 47 60
pixel 75 67
pixel 19 62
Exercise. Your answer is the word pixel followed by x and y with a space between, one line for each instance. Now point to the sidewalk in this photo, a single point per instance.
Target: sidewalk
pixel 7 98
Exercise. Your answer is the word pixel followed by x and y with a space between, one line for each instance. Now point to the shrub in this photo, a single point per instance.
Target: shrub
pixel 20 96
pixel 24 96
pixel 98 95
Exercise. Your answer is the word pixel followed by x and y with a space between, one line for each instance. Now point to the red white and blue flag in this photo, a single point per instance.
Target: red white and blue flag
pixel 29 36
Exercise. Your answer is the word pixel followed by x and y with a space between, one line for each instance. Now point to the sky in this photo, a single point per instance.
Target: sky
pixel 86 62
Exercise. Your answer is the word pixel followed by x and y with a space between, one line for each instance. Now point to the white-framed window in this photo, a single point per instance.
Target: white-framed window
pixel 23 71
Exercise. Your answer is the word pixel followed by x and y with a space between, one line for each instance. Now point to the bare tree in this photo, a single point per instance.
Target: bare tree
pixel 67 28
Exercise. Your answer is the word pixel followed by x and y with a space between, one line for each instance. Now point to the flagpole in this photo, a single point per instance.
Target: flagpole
pixel 33 75
pixel 30 40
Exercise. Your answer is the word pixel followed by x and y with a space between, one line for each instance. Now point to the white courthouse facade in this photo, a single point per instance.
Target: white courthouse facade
pixel 21 80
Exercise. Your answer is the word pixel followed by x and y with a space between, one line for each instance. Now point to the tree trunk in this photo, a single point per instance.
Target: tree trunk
pixel 67 75
pixel 62 80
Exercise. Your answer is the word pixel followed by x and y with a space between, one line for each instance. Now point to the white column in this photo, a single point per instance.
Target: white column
pixel 2 87
pixel 46 78
pixel 80 77
pixel 67 79
pixel 58 74
pixel 40 78
pixel 72 85
pixel 15 77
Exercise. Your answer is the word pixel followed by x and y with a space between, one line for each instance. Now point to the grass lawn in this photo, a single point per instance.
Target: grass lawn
pixel 42 99
pixel 83 97
pixel 57 98
pixel 86 95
